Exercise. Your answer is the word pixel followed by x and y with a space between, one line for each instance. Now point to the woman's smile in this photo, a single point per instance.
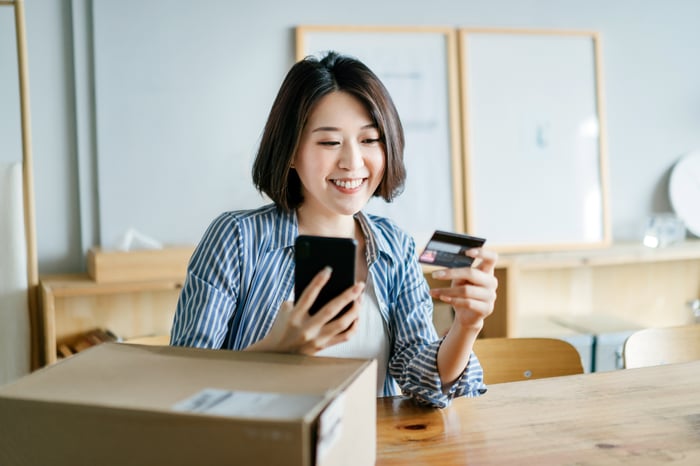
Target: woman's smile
pixel 348 185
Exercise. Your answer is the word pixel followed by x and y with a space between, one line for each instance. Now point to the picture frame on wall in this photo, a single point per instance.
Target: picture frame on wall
pixel 418 65
pixel 533 122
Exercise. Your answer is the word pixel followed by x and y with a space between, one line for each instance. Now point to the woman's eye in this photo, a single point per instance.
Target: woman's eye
pixel 329 143
pixel 370 141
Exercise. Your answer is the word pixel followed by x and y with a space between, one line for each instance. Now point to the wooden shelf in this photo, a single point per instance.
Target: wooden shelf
pixel 618 254
pixel 631 282
pixel 648 287
pixel 80 285
pixel 72 304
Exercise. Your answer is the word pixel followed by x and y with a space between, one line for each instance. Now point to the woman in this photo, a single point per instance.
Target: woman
pixel 333 140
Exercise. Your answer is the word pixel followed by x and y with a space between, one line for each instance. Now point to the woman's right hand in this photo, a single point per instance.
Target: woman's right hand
pixel 296 331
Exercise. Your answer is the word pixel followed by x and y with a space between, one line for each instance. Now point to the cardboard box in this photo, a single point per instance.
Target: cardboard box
pixel 169 263
pixel 117 404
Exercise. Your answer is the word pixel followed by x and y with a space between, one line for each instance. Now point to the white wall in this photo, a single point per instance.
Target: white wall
pixel 50 50
pixel 239 52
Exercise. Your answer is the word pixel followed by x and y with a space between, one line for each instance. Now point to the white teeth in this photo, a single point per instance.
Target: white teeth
pixel 351 184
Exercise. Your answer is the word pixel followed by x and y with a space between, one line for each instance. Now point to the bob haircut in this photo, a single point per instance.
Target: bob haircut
pixel 305 84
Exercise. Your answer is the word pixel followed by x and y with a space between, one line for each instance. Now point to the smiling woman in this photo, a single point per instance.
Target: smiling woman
pixel 418 65
pixel 334 140
pixel 340 160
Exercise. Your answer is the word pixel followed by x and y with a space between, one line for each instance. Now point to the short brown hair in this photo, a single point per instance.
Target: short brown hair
pixel 305 84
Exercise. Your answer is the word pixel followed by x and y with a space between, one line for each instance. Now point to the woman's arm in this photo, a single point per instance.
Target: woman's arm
pixel 472 295
pixel 210 292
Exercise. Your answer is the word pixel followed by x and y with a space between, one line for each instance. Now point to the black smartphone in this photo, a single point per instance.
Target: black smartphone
pixel 313 253
pixel 447 249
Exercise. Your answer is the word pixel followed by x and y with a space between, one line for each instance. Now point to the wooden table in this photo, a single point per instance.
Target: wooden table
pixel 633 416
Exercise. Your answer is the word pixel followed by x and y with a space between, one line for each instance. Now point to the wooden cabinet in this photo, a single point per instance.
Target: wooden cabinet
pixel 74 304
pixel 650 287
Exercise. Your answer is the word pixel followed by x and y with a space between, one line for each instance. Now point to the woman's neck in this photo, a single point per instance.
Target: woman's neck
pixel 342 226
pixel 338 225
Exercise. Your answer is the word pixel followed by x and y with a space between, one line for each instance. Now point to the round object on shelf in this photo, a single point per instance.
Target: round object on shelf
pixel 684 191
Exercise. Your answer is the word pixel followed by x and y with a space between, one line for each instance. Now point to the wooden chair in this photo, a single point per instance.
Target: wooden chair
pixel 656 346
pixel 515 359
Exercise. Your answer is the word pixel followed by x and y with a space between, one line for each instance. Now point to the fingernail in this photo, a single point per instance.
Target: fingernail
pixel 439 274
pixel 327 270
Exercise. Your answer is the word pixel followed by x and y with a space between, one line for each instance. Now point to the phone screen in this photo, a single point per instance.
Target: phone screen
pixel 313 253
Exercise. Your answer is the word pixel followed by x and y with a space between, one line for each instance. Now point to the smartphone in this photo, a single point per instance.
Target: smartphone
pixel 447 249
pixel 312 254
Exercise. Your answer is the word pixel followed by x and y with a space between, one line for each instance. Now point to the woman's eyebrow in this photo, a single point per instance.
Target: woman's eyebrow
pixel 333 128
pixel 325 128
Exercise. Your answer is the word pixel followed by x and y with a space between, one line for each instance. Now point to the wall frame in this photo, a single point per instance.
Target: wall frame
pixel 28 202
pixel 534 128
pixel 418 65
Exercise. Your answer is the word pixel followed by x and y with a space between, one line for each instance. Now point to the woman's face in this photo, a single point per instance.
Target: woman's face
pixel 340 160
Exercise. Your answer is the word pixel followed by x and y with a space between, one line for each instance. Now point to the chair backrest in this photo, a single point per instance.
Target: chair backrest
pixel 515 359
pixel 656 346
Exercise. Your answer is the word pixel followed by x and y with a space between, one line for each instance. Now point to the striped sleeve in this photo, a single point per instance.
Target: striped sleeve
pixel 414 360
pixel 209 294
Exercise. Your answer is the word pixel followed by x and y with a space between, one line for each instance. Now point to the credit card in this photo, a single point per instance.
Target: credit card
pixel 447 249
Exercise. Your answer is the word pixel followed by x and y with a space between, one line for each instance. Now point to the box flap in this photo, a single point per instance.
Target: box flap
pixel 156 378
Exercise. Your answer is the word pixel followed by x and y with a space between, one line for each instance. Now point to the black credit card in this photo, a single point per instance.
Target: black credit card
pixel 447 249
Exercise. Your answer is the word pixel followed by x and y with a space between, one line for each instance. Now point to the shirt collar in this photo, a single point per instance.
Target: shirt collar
pixel 288 230
pixel 376 242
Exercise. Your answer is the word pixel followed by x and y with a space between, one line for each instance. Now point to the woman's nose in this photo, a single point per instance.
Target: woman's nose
pixel 350 156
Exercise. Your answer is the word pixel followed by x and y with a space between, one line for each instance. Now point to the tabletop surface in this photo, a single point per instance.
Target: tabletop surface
pixel 633 416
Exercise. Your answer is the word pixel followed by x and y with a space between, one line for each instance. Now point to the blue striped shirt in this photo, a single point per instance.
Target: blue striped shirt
pixel 243 269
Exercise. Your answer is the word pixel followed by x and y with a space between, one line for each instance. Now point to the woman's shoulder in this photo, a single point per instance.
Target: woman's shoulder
pixel 247 215
pixel 263 225
pixel 261 216
pixel 385 224
pixel 389 232
pixel 233 223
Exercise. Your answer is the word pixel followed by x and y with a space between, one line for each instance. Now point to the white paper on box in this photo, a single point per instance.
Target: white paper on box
pixel 240 403
pixel 330 425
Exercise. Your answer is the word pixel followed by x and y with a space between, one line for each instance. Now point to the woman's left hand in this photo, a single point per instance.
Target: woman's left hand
pixel 472 293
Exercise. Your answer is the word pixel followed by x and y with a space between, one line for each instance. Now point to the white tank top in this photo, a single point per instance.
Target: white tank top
pixel 371 341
